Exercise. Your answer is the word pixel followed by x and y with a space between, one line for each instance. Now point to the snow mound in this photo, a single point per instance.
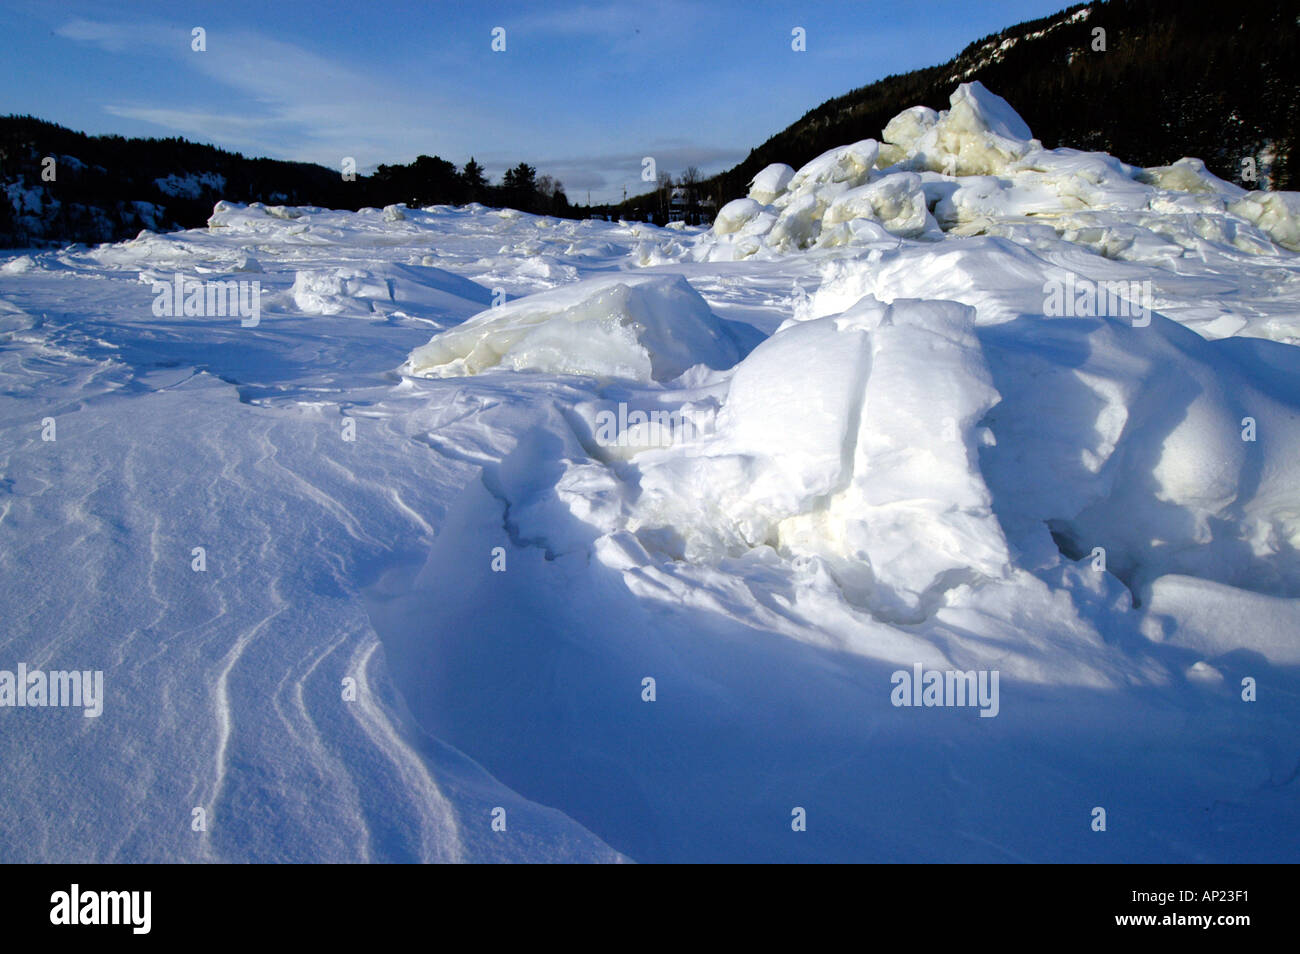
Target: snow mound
pixel 850 439
pixel 1277 213
pixel 641 327
pixel 254 217
pixel 896 201
pixel 980 134
pixel 1173 454
pixel 1214 619
pixel 909 455
pixel 18 265
pixel 974 168
pixel 770 183
pixel 351 290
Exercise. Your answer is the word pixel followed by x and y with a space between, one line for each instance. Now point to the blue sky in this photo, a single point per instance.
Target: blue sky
pixel 582 91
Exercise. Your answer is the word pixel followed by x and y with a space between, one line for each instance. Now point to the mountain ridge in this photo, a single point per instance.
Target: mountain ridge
pixel 1196 113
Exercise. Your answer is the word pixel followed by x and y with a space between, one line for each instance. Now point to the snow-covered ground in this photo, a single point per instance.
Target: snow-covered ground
pixel 628 541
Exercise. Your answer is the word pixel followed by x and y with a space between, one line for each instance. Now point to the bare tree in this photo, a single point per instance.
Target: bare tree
pixel 552 192
pixel 665 192
pixel 691 179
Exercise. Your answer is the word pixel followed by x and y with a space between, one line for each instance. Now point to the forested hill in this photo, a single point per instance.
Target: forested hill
pixel 58 185
pixel 1176 78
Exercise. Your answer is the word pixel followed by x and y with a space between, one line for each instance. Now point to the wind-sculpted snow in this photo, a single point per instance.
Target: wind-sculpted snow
pixel 526 539
pixel 224 687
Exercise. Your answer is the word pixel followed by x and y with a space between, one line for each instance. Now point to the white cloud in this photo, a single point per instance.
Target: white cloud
pixel 323 108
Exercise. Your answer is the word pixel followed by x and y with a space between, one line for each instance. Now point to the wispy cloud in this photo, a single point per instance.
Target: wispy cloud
pixel 120 37
pixel 289 93
pixel 243 132
pixel 263 95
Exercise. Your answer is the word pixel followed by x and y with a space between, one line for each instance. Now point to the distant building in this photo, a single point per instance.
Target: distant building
pixel 685 205
pixel 677 205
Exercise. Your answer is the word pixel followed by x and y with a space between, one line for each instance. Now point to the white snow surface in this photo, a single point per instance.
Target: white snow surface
pixel 850 435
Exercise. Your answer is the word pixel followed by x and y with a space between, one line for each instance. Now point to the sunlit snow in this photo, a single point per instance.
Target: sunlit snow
pixel 946 401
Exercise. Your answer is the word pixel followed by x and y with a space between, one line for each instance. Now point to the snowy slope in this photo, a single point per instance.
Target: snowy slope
pixel 501 470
